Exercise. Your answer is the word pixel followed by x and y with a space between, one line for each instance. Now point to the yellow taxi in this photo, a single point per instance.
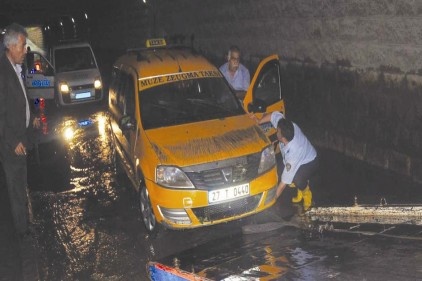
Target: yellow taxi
pixel 185 141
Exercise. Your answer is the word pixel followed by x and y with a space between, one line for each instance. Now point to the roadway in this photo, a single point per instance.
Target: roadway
pixel 87 224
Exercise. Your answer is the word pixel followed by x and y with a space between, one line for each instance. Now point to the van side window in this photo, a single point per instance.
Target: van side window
pixel 114 85
pixel 268 87
pixel 121 92
pixel 37 64
pixel 122 88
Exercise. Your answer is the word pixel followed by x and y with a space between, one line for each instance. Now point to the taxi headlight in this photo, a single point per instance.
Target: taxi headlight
pixel 97 84
pixel 267 160
pixel 64 88
pixel 172 177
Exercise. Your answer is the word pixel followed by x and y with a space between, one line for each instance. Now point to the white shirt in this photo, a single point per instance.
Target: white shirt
pixel 297 152
pixel 18 70
pixel 241 79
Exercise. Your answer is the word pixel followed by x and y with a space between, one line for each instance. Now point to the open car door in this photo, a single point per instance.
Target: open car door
pixel 39 76
pixel 264 94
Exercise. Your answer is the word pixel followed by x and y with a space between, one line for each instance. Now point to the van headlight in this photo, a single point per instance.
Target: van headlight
pixel 97 84
pixel 267 160
pixel 64 88
pixel 172 177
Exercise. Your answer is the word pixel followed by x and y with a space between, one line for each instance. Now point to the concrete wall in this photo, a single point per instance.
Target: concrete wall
pixel 373 116
pixel 351 68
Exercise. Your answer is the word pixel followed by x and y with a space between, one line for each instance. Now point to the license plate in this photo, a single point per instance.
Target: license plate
pixel 229 193
pixel 83 95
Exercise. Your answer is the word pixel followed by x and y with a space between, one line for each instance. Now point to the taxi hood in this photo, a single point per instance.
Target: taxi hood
pixel 207 141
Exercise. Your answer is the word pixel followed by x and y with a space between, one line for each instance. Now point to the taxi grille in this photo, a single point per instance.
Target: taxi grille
pixel 244 170
pixel 228 209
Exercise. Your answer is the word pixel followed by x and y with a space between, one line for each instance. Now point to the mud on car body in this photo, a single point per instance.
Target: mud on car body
pixel 186 143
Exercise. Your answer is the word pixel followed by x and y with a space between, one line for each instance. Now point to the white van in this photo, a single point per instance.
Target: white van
pixel 71 77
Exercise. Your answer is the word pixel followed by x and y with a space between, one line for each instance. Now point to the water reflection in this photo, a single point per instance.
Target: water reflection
pixel 70 151
pixel 74 194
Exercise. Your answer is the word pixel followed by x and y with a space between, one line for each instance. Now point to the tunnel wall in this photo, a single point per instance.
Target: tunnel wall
pixel 351 68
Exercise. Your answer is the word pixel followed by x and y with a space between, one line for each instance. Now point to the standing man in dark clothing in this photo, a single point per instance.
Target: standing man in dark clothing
pixel 15 122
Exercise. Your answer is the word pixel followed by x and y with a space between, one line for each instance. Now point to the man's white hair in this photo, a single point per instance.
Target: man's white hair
pixel 11 35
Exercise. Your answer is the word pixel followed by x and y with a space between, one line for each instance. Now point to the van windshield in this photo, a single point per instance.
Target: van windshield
pixel 73 59
pixel 187 101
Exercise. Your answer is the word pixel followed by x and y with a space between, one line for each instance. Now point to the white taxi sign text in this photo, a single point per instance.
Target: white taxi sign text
pixel 229 193
pixel 158 42
pixel 158 80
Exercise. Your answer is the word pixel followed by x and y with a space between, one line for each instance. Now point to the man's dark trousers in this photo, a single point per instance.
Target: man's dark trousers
pixel 16 180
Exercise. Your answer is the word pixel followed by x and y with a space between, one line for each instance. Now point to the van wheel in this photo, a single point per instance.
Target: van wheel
pixel 147 213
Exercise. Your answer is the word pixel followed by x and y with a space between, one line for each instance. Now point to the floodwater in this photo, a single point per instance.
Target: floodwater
pixel 88 228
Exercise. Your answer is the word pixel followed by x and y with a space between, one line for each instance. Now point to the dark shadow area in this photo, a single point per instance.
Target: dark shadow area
pixel 343 178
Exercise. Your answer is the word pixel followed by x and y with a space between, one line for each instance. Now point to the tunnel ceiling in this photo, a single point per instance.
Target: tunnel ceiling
pixel 28 12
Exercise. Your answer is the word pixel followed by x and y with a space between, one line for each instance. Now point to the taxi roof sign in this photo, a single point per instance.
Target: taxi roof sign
pixel 157 42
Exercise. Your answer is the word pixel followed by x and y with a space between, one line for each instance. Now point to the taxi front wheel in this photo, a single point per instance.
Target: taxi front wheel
pixel 147 213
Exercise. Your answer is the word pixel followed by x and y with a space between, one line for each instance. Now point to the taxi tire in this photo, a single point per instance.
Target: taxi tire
pixel 146 212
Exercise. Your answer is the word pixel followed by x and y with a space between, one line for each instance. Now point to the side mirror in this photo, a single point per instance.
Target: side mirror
pixel 258 105
pixel 127 123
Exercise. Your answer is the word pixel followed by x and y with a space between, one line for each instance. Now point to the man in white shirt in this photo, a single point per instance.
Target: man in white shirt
pixel 300 160
pixel 236 73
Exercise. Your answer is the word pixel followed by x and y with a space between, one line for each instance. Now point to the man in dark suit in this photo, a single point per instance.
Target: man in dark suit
pixel 15 122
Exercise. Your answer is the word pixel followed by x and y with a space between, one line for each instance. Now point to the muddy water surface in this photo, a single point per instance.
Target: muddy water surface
pixel 88 228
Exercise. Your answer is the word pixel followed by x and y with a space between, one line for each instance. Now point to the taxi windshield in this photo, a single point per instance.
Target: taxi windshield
pixel 187 101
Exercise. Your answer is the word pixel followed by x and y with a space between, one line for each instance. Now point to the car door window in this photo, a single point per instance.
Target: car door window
pixel 114 85
pixel 37 64
pixel 268 88
pixel 121 93
pixel 129 95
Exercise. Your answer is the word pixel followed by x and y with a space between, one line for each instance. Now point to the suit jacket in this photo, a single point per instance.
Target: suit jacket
pixel 12 113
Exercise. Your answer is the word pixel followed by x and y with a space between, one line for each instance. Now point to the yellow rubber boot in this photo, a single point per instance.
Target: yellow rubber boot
pixel 298 197
pixel 307 198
